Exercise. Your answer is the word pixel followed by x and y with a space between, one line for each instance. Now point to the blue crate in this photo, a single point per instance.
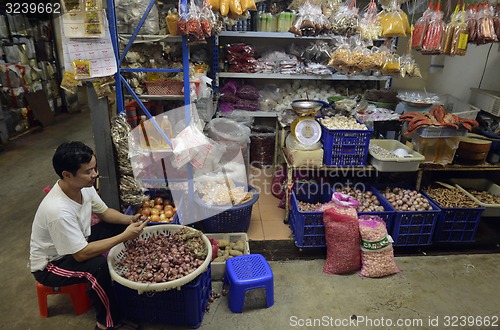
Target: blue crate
pixel 345 147
pixel 386 215
pixel 307 227
pixel 456 224
pixel 184 306
pixel 413 228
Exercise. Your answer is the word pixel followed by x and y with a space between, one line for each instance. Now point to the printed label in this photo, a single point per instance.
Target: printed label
pixel 375 245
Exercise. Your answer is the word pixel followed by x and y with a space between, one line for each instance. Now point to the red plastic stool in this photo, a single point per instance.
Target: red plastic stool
pixel 77 292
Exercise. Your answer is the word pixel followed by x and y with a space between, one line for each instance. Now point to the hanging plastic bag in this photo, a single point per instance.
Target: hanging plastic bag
pixel 394 21
pixel 392 65
pixel 486 28
pixel 420 28
pixel 471 20
pixel 345 21
pixel 449 30
pixel 460 35
pixel 369 26
pixel 434 33
pixel 224 7
pixel 248 5
pixel 235 7
pixel 193 22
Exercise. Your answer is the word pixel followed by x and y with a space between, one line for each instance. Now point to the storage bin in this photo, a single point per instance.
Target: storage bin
pixel 232 219
pixel 412 228
pixel 395 164
pixel 486 100
pixel 491 210
pixel 262 145
pixel 218 268
pixel 345 147
pixel 181 307
pixel 307 227
pixel 456 224
pixel 439 150
pixel 178 302
pixel 458 107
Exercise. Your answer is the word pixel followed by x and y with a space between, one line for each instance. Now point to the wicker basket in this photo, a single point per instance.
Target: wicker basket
pixel 167 87
pixel 116 254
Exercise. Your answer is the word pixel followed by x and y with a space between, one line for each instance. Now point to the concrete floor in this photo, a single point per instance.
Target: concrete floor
pixel 429 289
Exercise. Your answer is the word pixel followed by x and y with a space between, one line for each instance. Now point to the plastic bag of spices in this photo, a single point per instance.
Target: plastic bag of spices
pixel 471 20
pixel 434 33
pixel 342 235
pixel 421 27
pixel 369 26
pixel 486 29
pixel 460 35
pixel 394 21
pixel 377 253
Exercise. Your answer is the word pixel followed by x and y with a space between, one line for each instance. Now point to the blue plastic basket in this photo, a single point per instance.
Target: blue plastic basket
pixel 456 224
pixel 345 147
pixel 233 220
pixel 413 228
pixel 307 227
pixel 182 307
pixel 386 215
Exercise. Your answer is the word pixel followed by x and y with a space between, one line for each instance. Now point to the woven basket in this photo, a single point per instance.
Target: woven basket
pixel 168 87
pixel 117 253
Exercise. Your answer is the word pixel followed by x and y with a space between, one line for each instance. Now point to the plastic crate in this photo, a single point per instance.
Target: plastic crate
pixel 307 227
pixel 412 228
pixel 345 147
pixel 486 100
pixel 456 224
pixel 218 268
pixel 230 220
pixel 458 107
pixel 395 164
pixel 439 150
pixel 491 210
pixel 182 307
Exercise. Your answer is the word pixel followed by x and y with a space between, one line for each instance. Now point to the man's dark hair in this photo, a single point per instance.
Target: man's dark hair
pixel 70 156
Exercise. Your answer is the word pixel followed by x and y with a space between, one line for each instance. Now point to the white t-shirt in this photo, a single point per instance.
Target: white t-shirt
pixel 61 225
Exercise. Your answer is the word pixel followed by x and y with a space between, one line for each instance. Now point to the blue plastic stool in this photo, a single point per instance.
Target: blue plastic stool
pixel 248 272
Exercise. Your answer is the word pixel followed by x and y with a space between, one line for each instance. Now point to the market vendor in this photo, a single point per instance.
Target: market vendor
pixel 65 249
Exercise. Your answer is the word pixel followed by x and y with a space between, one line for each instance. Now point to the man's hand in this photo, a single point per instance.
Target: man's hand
pixel 134 230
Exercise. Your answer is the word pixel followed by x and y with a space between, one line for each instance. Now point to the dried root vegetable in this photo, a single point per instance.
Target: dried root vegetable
pixel 485 197
pixel 449 198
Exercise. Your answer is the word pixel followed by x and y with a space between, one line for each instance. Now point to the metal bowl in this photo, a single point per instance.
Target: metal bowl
pixel 306 106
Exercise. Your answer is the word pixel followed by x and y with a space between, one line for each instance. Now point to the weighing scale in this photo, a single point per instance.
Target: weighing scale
pixel 305 128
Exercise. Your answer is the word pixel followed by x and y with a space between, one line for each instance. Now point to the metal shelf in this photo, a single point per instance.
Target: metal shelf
pixel 158 97
pixel 238 75
pixel 275 35
pixel 144 38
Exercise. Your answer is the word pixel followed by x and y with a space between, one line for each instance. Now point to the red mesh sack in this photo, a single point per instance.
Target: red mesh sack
pixel 342 240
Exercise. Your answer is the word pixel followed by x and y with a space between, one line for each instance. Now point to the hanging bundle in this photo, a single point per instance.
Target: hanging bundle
pixel 394 21
pixel 369 26
pixel 432 39
pixel 420 28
